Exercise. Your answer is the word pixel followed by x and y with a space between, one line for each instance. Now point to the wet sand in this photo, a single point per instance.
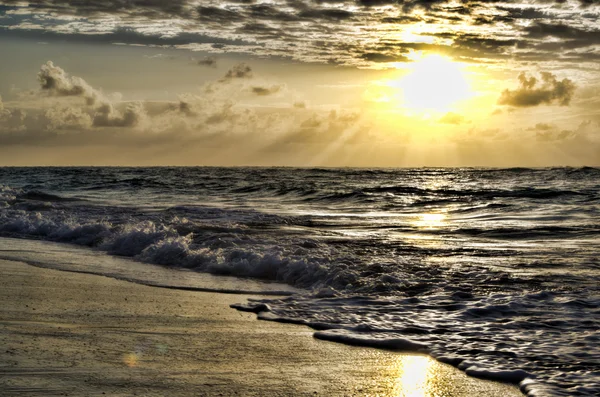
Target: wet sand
pixel 82 335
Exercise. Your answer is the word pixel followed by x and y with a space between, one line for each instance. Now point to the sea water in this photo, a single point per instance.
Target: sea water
pixel 495 271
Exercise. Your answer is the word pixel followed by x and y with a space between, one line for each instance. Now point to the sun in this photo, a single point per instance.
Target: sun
pixel 433 84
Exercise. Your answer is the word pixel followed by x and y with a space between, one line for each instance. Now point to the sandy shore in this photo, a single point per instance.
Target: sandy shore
pixel 82 335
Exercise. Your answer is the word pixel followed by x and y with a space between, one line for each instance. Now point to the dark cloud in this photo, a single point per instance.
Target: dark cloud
pixel 208 61
pixel 147 8
pixel 264 91
pixel 239 71
pixel 401 19
pixel 123 35
pixel 300 105
pixel 482 44
pixel 377 3
pixel 260 29
pixel 382 57
pixel 541 30
pixel 327 13
pixel 218 15
pixel 516 12
pixel 270 13
pixel 541 127
pixel 532 92
pixel 348 30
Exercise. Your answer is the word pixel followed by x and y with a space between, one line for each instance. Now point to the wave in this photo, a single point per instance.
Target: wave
pixel 216 253
pixel 502 337
pixel 525 232
pixel 36 195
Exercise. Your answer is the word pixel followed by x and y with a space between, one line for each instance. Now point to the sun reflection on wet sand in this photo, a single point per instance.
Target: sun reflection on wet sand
pixel 417 377
pixel 131 359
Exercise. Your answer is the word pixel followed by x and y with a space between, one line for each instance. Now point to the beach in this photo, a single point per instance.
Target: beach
pixel 65 333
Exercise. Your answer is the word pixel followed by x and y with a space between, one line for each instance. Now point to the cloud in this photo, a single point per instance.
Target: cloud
pixel 532 92
pixel 146 8
pixel 542 30
pixel 108 116
pixel 549 133
pixel 348 31
pixel 382 57
pixel 264 91
pixel 452 118
pixel 541 127
pixel 56 82
pixel 239 71
pixel 101 111
pixel 67 118
pixel 208 61
pixel 300 105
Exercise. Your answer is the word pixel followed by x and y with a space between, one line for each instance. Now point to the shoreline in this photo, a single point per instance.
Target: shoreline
pixel 66 333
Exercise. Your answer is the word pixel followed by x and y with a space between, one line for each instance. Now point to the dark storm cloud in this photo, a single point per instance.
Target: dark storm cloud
pixel 532 92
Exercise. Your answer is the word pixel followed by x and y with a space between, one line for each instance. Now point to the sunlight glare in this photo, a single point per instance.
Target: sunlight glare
pixel 431 221
pixel 434 83
pixel 414 377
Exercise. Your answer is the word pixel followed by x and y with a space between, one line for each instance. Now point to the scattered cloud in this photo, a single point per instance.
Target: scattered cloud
pixel 265 91
pixel 208 61
pixel 533 92
pixel 452 118
pixel 584 131
pixel 300 105
pixel 239 71
pixel 100 110
pixel 108 116
pixel 56 82
pixel 541 127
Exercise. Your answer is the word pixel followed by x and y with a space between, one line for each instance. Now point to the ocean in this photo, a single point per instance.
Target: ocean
pixel 495 271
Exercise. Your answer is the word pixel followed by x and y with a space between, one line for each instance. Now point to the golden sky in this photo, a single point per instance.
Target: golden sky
pixel 300 82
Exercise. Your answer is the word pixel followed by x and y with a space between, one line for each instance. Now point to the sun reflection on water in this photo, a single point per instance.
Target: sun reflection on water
pixel 431 220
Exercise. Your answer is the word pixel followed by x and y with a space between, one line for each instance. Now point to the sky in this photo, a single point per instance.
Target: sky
pixel 334 83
